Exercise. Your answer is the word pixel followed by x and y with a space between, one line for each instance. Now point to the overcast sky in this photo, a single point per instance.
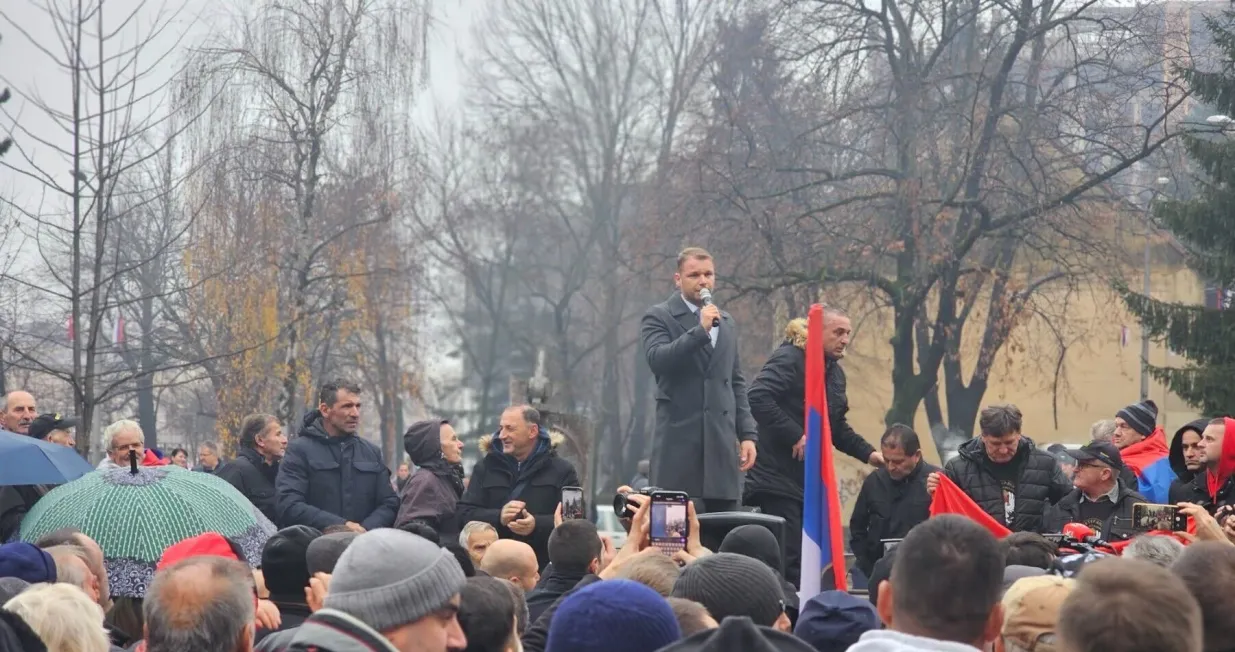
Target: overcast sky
pixel 29 71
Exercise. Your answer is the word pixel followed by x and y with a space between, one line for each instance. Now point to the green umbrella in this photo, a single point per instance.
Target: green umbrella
pixel 136 516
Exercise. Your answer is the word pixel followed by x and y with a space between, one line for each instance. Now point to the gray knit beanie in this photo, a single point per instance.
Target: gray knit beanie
pixel 1143 416
pixel 733 585
pixel 390 578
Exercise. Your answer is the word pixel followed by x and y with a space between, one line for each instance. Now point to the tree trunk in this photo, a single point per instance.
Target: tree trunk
pixel 907 389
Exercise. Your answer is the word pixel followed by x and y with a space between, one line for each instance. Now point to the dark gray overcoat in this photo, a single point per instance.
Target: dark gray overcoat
pixel 701 408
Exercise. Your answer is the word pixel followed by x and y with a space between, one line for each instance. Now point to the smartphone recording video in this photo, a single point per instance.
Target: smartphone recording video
pixel 572 503
pixel 1147 517
pixel 670 522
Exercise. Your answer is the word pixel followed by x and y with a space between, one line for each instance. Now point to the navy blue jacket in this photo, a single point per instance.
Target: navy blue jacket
pixel 325 481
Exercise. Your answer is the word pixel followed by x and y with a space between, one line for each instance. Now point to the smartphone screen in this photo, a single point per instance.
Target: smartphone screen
pixel 670 524
pixel 572 503
pixel 1147 517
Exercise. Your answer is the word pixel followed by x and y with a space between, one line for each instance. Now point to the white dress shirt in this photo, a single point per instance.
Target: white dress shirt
pixel 715 331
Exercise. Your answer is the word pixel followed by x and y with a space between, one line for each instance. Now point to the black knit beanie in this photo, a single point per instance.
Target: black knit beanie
pixel 733 585
pixel 1143 416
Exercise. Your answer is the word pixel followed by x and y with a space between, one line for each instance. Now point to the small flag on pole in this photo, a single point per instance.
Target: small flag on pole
pixel 117 335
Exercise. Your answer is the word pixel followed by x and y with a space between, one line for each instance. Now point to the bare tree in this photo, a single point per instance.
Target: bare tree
pixel 967 160
pixel 305 68
pixel 589 97
pixel 120 97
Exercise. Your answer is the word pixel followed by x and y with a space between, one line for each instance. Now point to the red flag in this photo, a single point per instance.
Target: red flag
pixel 1118 546
pixel 72 332
pixel 949 499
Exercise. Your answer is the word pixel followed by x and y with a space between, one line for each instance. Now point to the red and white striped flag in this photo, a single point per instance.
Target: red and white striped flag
pixel 117 334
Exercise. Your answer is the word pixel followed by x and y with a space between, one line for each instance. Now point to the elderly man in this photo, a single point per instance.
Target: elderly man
pixel 475 538
pixel 17 412
pixel 1100 499
pixel 119 439
pixel 55 428
pixel 517 486
pixel 73 567
pixel 208 460
pixel 94 557
pixel 201 603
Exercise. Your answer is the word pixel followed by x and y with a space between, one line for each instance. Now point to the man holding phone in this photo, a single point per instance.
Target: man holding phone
pixel 517 486
pixel 1099 498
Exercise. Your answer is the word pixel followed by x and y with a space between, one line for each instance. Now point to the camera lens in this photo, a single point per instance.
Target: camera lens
pixel 619 505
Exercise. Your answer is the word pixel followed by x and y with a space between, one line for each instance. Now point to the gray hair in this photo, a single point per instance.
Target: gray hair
pixel 63 617
pixel 123 425
pixel 68 572
pixel 210 445
pixel 1154 548
pixel 217 621
pixel 1102 430
pixel 472 528
pixel 834 310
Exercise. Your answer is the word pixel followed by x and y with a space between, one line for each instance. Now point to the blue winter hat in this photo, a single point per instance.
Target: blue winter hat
pixel 26 561
pixel 613 616
pixel 835 620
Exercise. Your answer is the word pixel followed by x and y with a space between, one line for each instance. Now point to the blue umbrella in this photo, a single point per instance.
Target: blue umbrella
pixel 26 460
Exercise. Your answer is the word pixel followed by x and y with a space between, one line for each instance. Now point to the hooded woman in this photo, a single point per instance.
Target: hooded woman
pixel 434 488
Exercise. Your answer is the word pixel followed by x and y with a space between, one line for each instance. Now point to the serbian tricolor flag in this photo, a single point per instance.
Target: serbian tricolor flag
pixel 1150 460
pixel 823 547
pixel 950 499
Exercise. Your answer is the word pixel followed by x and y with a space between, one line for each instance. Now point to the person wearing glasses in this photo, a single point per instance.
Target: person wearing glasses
pixel 1099 498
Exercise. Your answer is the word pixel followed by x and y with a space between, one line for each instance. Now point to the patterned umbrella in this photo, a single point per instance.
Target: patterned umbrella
pixel 135 516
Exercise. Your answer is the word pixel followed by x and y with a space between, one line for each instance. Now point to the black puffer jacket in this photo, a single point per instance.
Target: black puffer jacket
pixel 253 477
pixel 1041 483
pixel 777 401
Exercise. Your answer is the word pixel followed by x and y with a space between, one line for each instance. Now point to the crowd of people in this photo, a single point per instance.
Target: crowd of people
pixel 436 560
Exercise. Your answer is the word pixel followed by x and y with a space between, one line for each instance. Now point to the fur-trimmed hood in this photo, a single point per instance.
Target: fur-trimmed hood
pixel 795 332
pixel 556 437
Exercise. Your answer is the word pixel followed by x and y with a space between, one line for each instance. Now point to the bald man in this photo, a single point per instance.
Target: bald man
pixel 196 590
pixel 17 412
pixel 513 561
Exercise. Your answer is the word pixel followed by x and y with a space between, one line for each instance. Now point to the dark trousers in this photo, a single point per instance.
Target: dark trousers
pixel 791 511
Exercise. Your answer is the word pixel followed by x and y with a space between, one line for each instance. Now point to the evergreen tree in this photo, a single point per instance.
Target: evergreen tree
pixel 5 143
pixel 1205 224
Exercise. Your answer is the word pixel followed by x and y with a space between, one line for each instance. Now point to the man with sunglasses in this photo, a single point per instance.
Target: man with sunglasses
pixel 1099 498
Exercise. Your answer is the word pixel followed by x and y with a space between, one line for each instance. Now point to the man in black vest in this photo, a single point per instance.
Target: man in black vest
pixel 1100 499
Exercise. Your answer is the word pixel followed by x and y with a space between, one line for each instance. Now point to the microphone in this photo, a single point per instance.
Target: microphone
pixel 1083 533
pixel 705 295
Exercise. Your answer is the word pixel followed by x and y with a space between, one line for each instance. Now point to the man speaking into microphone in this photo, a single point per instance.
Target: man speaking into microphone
pixel 705 436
